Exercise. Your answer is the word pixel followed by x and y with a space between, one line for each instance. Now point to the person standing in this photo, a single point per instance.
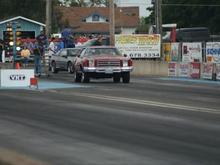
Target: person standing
pixel 1 49
pixel 42 41
pixel 42 44
pixel 37 59
pixel 52 47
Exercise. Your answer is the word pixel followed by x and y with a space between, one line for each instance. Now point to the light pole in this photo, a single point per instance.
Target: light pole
pixel 14 29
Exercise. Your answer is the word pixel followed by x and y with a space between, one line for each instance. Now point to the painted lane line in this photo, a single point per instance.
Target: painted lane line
pixel 151 103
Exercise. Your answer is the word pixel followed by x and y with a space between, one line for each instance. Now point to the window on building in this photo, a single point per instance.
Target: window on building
pixel 95 18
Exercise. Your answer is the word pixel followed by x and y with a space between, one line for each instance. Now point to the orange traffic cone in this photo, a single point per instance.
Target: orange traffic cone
pixel 17 66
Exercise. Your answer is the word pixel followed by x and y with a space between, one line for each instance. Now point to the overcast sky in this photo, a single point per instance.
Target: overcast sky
pixel 143 4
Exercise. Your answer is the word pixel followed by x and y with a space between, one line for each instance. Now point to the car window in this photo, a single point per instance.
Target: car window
pixel 63 53
pixel 102 51
pixel 73 52
pixel 82 54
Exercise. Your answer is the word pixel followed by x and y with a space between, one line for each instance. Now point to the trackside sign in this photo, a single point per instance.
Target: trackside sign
pixel 139 45
pixel 16 77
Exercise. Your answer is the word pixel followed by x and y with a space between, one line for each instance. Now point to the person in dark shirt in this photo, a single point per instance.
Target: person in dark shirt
pixel 1 49
pixel 42 42
pixel 37 59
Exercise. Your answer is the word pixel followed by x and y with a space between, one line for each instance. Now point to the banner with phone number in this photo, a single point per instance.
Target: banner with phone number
pixel 139 45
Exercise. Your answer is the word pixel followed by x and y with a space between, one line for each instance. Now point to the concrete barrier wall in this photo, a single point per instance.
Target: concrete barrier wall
pixel 141 67
pixel 156 68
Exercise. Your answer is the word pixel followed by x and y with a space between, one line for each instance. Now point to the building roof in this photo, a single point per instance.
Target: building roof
pixel 126 17
pixel 20 17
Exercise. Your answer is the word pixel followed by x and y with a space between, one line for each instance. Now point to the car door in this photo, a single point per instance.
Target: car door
pixel 63 59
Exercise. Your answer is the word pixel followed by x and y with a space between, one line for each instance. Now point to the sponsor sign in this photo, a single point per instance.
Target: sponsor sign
pixel 166 51
pixel 175 51
pixel 139 45
pixel 195 70
pixel 213 52
pixel 184 69
pixel 16 77
pixel 172 69
pixel 207 70
pixel 218 71
pixel 192 52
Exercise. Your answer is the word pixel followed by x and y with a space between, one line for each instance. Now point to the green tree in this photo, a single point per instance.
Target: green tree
pixel 192 13
pixel 12 8
pixel 143 26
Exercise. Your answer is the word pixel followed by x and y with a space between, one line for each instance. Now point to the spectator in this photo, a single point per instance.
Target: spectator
pixel 25 54
pixel 51 47
pixel 42 42
pixel 28 43
pixel 1 49
pixel 37 59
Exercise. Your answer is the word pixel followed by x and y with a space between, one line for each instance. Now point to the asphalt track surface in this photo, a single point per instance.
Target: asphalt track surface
pixel 150 121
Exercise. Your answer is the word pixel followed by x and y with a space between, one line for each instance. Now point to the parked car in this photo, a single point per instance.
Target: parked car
pixel 63 59
pixel 102 62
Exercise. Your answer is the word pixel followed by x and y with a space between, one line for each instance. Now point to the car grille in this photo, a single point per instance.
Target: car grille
pixel 108 63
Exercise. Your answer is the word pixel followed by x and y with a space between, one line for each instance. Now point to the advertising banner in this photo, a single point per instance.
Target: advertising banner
pixel 139 45
pixel 195 70
pixel 218 71
pixel 175 51
pixel 16 77
pixel 172 69
pixel 207 70
pixel 167 51
pixel 192 52
pixel 213 52
pixel 184 69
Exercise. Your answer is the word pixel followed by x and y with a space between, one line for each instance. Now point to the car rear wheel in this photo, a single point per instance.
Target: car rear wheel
pixel 126 77
pixel 53 68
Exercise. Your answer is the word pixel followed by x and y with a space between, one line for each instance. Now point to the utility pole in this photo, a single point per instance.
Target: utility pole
pixel 48 17
pixel 158 21
pixel 158 13
pixel 112 22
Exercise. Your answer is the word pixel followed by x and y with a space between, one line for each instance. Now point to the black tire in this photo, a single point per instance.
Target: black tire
pixel 116 78
pixel 86 78
pixel 53 68
pixel 78 77
pixel 70 68
pixel 126 77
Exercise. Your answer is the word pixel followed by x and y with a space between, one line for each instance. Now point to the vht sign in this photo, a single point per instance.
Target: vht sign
pixel 16 77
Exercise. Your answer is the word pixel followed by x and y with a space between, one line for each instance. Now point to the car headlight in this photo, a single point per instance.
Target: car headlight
pixel 125 63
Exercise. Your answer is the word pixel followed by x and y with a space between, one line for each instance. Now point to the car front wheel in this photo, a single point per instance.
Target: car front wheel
pixel 126 77
pixel 70 67
pixel 53 68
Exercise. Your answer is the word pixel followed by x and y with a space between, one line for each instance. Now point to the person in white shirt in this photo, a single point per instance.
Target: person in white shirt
pixel 52 47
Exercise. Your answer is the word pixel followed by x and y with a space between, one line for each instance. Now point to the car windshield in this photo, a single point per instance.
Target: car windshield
pixel 103 51
pixel 89 43
pixel 74 52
